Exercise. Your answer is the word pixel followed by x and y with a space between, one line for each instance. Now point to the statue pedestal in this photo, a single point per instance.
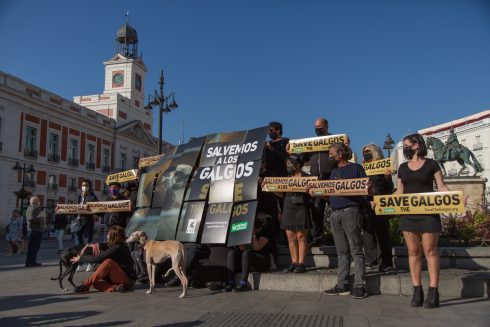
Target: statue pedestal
pixel 473 190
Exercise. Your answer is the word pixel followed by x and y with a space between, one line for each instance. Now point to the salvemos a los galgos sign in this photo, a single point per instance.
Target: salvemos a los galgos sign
pixel 203 185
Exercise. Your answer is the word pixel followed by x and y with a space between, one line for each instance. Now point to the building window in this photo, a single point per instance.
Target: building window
pixel 73 185
pixel 105 160
pixel 91 156
pixel 30 142
pixel 136 160
pixel 478 145
pixel 53 146
pixel 73 153
pixel 123 161
pixel 29 180
pixel 52 183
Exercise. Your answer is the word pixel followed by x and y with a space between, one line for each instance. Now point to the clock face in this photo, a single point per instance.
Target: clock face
pixel 137 82
pixel 118 79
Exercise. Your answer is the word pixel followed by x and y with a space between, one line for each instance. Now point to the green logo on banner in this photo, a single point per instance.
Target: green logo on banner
pixel 242 225
pixel 388 210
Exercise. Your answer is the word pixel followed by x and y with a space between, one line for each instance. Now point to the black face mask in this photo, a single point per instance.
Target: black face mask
pixel 367 156
pixel 408 152
pixel 319 131
pixel 272 135
pixel 291 170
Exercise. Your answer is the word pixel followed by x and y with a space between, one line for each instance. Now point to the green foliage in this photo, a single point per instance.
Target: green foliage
pixel 471 228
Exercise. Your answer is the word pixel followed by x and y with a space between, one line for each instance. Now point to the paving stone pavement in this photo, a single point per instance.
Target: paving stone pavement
pixel 29 298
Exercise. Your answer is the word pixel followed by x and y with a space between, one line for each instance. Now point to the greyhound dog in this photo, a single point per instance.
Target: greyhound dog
pixel 71 268
pixel 157 252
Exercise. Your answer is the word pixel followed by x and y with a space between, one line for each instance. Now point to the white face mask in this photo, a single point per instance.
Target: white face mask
pixel 85 189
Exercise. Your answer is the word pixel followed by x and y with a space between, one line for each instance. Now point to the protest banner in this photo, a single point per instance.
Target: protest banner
pixel 286 184
pixel 314 144
pixel 149 161
pixel 71 209
pixel 420 203
pixel 242 223
pixel 339 187
pixel 123 176
pixel 110 206
pixel 377 167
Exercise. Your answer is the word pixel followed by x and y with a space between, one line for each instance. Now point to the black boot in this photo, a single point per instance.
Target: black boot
pixel 418 297
pixel 432 300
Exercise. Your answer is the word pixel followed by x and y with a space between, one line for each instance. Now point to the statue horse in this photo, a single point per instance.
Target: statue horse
pixel 462 156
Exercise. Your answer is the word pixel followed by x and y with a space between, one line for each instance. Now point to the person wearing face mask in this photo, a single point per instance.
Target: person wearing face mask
pixel 376 235
pixel 321 167
pixel 295 218
pixel 275 153
pixel 117 218
pixel 346 225
pixel 421 232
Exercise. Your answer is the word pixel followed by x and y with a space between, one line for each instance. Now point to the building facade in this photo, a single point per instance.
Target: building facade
pixel 58 142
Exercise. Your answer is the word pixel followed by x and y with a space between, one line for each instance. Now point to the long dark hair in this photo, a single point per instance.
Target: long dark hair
pixel 115 235
pixel 418 139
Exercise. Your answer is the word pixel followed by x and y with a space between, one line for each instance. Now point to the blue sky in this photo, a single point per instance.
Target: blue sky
pixel 370 67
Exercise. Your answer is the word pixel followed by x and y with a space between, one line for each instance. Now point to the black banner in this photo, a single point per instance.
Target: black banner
pixel 242 223
pixel 190 222
pixel 216 223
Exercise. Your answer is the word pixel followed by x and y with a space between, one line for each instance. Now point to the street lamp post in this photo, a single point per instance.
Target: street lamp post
pixel 160 101
pixel 23 194
pixel 388 144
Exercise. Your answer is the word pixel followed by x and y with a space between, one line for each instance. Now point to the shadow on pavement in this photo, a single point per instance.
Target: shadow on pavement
pixel 61 318
pixel 27 301
pixel 461 301
pixel 183 324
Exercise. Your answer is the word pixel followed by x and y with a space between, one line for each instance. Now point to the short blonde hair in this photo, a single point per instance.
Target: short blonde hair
pixel 375 150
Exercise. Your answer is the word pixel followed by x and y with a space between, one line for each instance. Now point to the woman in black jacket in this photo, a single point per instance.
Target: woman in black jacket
pixel 115 272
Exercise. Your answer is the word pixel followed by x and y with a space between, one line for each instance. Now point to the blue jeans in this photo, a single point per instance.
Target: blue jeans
pixel 346 227
pixel 35 238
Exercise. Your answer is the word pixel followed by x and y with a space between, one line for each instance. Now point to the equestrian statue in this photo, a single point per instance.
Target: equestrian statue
pixel 453 151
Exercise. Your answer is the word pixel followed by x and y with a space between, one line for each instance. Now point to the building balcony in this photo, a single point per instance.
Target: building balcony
pixel 90 165
pixel 73 162
pixel 452 172
pixel 52 186
pixel 72 188
pixel 53 157
pixel 30 184
pixel 30 153
pixel 477 146
pixel 106 169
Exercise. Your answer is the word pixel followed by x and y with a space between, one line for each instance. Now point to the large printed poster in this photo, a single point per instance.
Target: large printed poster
pixel 190 195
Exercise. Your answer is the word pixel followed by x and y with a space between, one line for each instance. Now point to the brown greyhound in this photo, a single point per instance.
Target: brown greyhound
pixel 157 252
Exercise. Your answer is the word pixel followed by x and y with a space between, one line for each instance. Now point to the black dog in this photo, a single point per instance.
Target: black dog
pixel 71 268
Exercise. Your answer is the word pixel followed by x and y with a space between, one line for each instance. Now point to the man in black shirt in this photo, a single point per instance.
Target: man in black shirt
pixel 275 153
pixel 321 167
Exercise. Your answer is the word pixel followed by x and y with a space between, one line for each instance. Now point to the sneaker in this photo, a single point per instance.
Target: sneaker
pixel 290 269
pixel 371 268
pixel 388 270
pixel 242 288
pixel 118 288
pixel 300 269
pixel 337 291
pixel 214 286
pixel 196 284
pixel 359 292
pixel 80 268
pixel 80 289
pixel 272 261
pixel 90 267
pixel 228 288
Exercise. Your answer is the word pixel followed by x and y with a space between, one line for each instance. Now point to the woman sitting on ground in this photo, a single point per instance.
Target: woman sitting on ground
pixel 245 258
pixel 115 272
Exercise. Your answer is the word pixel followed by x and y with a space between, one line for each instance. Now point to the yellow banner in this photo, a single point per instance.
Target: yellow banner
pixel 286 184
pixel 93 207
pixel 420 203
pixel 314 144
pixel 149 161
pixel 110 206
pixel 124 176
pixel 378 167
pixel 339 187
pixel 70 209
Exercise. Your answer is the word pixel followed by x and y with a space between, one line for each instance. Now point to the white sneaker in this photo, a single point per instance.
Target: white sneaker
pixel 90 267
pixel 80 268
pixel 273 265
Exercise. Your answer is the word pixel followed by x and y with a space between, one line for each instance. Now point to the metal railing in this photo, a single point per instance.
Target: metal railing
pixel 52 186
pixel 90 165
pixel 30 152
pixel 73 162
pixel 53 157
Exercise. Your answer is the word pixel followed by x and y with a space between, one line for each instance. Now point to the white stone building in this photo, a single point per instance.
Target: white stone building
pixel 66 141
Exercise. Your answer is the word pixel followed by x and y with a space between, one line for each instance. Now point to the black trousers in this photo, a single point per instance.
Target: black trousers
pixel 317 218
pixel 193 253
pixel 377 241
pixel 245 262
pixel 33 247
